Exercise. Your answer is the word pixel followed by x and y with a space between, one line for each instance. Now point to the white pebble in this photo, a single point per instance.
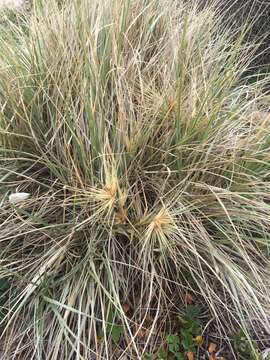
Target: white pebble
pixel 11 4
pixel 18 197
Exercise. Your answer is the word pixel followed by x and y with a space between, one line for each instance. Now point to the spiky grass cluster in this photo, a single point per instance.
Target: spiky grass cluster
pixel 147 161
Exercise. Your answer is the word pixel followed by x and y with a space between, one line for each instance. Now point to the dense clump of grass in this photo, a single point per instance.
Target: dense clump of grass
pixel 147 161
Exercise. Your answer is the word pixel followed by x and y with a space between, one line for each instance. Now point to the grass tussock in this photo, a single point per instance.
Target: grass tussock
pixel 147 159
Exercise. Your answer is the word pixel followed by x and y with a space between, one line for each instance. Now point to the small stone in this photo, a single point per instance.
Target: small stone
pixel 18 197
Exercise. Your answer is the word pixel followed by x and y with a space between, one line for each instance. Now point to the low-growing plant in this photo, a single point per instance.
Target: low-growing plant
pixel 143 158
pixel 246 349
pixel 114 329
pixel 186 340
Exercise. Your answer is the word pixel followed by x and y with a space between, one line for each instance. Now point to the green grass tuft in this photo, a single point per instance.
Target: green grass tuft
pixel 146 155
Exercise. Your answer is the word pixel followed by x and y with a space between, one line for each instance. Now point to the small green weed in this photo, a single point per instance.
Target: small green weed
pixel 246 349
pixel 190 328
pixel 116 331
pixel 186 340
pixel 113 329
